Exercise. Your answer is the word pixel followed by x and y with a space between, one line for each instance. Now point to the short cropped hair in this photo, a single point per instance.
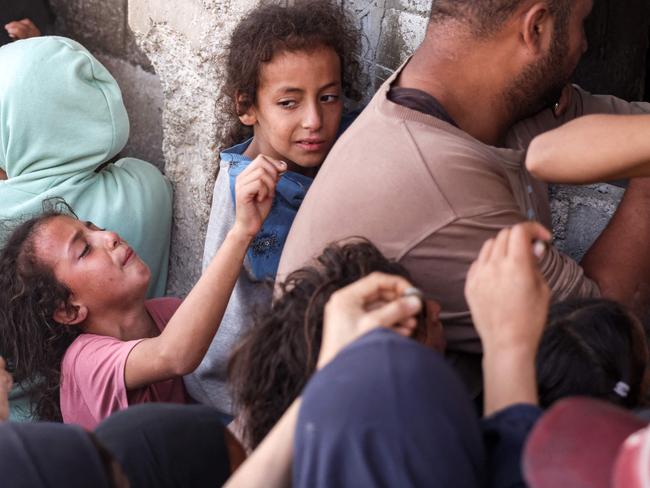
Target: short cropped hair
pixel 487 16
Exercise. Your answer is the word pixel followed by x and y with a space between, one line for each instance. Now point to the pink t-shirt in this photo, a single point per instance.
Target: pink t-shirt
pixel 92 374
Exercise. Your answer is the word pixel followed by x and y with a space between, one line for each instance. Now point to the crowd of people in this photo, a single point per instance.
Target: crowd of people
pixel 381 302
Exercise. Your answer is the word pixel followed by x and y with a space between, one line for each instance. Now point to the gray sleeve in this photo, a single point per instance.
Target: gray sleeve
pixel 222 216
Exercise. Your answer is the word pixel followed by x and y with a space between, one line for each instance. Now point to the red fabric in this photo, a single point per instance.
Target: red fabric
pixel 576 444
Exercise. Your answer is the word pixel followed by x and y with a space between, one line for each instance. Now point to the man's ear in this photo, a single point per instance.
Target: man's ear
pixel 538 28
pixel 70 314
pixel 245 109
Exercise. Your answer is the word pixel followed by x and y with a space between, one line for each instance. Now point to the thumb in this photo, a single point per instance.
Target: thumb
pixel 393 312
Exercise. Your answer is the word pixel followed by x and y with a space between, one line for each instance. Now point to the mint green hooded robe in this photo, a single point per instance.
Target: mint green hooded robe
pixel 61 117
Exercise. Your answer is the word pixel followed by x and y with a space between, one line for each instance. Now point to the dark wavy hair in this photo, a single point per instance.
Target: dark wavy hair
pixel 30 340
pixel 275 359
pixel 271 29
pixel 589 346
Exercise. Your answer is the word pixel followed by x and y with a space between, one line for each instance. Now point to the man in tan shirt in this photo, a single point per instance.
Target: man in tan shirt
pixel 433 167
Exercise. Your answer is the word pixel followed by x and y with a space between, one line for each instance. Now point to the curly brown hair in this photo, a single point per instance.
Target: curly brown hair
pixel 275 359
pixel 30 340
pixel 271 29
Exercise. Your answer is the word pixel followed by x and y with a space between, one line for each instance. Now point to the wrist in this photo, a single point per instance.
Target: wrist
pixel 239 235
pixel 509 378
pixel 501 355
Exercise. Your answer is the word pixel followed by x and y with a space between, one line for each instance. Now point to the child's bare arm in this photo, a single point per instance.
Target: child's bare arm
pixel 591 149
pixel 509 300
pixel 179 349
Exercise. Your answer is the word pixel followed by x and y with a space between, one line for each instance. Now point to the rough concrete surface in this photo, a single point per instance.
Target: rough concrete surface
pixel 185 42
pixel 580 213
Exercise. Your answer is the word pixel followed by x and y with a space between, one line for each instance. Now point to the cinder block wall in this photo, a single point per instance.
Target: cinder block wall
pixel 169 57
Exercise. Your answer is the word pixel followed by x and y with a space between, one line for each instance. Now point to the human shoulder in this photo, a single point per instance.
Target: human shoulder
pixel 86 347
pixel 162 309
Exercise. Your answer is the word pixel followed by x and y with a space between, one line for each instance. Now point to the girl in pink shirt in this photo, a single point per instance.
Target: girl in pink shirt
pixel 76 327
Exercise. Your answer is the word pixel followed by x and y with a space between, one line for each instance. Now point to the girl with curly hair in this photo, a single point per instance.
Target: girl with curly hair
pixel 74 322
pixel 288 70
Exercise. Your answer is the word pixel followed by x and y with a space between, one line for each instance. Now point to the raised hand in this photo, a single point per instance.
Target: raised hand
pixel 505 290
pixel 254 193
pixel 373 301
pixel 509 301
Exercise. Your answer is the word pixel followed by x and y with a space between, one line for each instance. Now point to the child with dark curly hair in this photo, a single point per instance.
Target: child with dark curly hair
pixel 277 356
pixel 288 70
pixel 75 324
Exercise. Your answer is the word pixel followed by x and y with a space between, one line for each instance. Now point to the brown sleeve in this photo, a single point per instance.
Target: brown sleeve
pixel 440 263
pixel 566 277
pixel 582 103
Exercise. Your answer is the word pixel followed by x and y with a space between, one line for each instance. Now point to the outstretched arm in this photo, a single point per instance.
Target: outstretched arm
pixel 591 149
pixel 346 318
pixel 606 147
pixel 509 301
pixel 179 349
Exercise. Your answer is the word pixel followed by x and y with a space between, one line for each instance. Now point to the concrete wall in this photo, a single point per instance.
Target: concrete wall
pixel 185 42
pixel 168 57
pixel 101 26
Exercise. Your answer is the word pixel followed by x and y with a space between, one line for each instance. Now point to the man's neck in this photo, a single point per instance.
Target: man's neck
pixel 469 89
pixel 126 324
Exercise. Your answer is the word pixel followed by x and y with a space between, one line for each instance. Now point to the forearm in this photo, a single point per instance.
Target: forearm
pixel 3 175
pixel 189 333
pixel 270 464
pixel 619 260
pixel 592 148
pixel 509 377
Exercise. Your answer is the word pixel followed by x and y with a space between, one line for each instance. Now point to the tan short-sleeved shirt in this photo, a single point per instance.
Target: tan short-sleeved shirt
pixel 429 195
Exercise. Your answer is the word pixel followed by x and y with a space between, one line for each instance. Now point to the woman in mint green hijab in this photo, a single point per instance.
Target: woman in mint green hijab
pixel 62 122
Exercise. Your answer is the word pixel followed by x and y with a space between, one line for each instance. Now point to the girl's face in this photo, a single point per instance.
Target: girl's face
pixel 298 109
pixel 100 269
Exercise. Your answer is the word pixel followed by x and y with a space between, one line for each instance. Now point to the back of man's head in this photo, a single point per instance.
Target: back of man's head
pixel 485 17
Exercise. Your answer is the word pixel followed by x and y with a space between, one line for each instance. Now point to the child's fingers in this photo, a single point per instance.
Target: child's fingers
pixel 500 246
pixel 376 286
pixel 522 238
pixel 396 312
pixel 255 172
pixel 253 190
pixel 486 250
pixel 260 175
pixel 272 166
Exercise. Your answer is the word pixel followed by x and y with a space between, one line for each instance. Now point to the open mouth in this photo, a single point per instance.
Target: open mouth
pixel 127 257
